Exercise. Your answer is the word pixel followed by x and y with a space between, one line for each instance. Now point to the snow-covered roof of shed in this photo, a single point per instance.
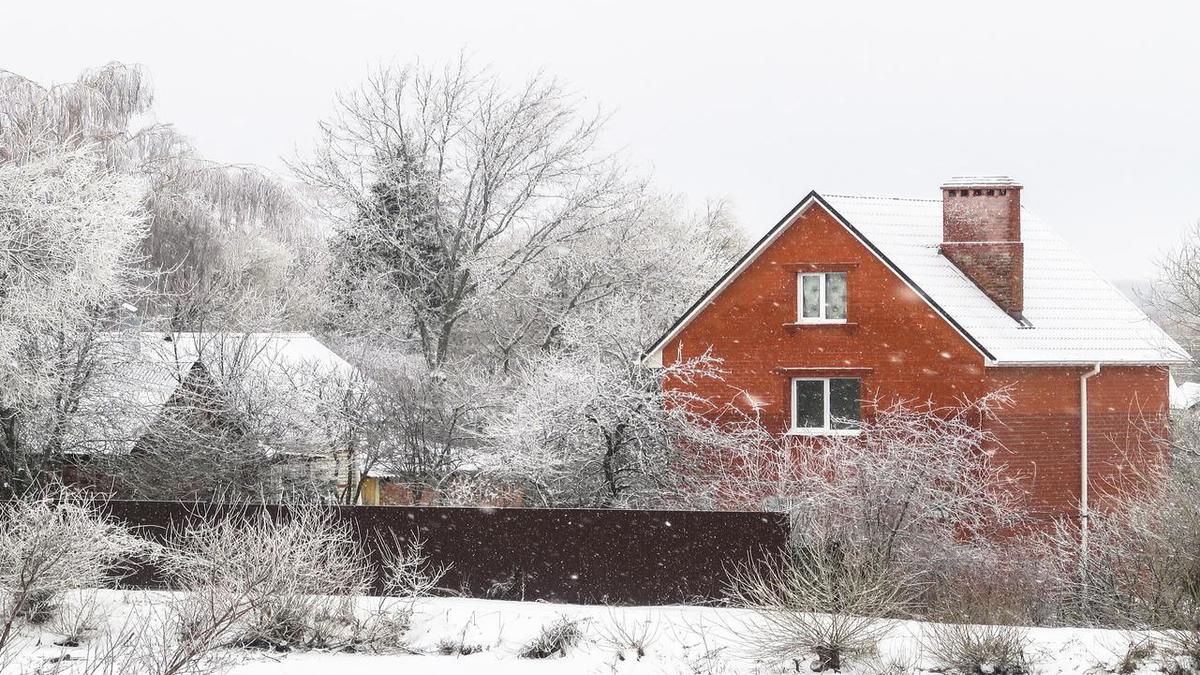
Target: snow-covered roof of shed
pixel 1074 315
pixel 137 373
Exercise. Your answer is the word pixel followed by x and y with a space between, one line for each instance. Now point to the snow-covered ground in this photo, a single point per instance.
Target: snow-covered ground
pixel 677 640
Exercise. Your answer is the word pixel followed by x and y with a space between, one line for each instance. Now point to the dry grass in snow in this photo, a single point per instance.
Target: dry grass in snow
pixel 458 635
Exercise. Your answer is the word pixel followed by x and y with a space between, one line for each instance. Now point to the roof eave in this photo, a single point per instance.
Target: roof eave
pixel 1087 362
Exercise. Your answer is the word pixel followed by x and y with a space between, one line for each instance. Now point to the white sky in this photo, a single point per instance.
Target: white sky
pixel 1095 109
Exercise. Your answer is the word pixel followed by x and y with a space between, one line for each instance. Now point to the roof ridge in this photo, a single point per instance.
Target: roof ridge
pixel 881 198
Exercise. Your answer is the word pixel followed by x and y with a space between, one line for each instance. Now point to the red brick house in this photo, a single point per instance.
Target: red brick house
pixel 852 297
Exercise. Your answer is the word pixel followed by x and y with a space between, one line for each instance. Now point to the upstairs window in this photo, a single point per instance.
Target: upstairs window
pixel 821 296
pixel 826 405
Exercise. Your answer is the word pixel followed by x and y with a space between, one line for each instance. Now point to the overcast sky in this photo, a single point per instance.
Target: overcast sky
pixel 1095 110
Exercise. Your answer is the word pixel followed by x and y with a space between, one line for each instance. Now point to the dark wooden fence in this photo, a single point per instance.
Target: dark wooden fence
pixel 556 555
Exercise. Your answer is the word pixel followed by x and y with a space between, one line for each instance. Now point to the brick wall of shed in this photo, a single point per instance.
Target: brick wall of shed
pixel 913 354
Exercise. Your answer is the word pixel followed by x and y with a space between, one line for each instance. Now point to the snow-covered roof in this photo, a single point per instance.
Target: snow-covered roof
pixel 1075 316
pixel 1184 396
pixel 138 373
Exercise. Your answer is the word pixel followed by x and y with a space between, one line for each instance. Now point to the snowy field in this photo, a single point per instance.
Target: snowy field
pixel 673 640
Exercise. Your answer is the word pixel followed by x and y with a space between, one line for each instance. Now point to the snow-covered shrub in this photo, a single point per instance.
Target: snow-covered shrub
pixel 1183 646
pixel 1136 653
pixel 1001 581
pixel 407 572
pixel 51 541
pixel 554 638
pixel 919 488
pixel 622 635
pixel 1141 563
pixel 407 575
pixel 903 663
pixel 78 616
pixel 588 425
pixel 828 602
pixel 278 580
pixel 974 649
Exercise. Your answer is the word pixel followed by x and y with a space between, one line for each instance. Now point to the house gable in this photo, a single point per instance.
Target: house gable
pixel 654 356
pixel 894 340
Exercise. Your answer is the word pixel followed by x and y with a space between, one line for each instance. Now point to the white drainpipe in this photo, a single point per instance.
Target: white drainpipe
pixel 1083 458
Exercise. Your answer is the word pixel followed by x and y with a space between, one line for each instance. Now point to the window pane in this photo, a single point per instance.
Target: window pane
pixel 811 286
pixel 844 408
pixel 809 399
pixel 835 295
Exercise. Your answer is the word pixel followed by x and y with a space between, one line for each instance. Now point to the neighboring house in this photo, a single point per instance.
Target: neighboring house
pixel 1184 396
pixel 151 388
pixel 850 298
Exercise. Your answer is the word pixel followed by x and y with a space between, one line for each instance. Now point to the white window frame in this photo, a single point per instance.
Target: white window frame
pixel 824 430
pixel 800 318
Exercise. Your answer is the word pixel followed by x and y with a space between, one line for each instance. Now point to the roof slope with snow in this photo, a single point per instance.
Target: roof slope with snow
pixel 139 372
pixel 1075 316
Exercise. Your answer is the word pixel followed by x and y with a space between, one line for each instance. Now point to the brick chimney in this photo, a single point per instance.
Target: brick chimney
pixel 981 235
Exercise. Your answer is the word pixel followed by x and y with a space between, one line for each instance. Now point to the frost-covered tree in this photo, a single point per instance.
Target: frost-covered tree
pixel 229 244
pixel 446 186
pixel 397 423
pixel 69 233
pixel 587 425
pixel 913 476
pixel 650 266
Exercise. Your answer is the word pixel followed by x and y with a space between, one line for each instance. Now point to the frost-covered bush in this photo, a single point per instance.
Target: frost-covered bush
pixel 276 578
pixel 589 426
pixel 827 602
pixel 1136 653
pixel 407 575
pixel 1002 581
pixel 78 616
pixel 52 541
pixel 972 649
pixel 920 490
pixel 554 638
pixel 1183 646
pixel 623 636
pixel 1141 563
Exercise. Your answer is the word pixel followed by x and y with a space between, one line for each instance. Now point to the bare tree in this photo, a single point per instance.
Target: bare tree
pixel 396 423
pixel 69 231
pixel 228 242
pixel 96 196
pixel 656 261
pixel 587 425
pixel 1174 299
pixel 445 186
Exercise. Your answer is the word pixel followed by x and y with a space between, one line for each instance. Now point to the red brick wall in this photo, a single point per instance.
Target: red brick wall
pixel 913 354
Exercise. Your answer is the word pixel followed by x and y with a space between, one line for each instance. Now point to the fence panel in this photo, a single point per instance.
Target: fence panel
pixel 557 555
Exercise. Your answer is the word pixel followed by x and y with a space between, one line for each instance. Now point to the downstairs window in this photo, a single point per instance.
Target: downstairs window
pixel 825 405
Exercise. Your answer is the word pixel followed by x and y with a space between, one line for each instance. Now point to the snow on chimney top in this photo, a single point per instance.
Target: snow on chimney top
pixel 980 181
